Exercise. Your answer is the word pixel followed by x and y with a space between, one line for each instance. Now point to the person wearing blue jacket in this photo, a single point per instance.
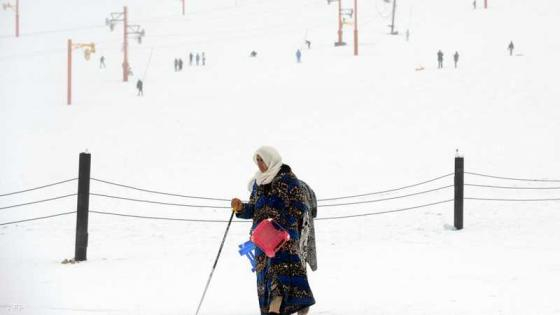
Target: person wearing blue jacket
pixel 276 193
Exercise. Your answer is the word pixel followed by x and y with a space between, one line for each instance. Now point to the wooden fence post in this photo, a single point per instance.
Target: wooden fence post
pixel 459 189
pixel 83 207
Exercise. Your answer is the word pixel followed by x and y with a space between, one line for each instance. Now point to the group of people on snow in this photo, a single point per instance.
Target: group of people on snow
pixel 440 59
pixel 197 59
pixel 194 59
pixel 510 48
pixel 178 63
pixel 253 54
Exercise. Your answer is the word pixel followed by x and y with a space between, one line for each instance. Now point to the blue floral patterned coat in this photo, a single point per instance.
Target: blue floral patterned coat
pixel 284 275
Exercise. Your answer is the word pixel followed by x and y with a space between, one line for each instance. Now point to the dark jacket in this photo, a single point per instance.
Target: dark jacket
pixel 283 200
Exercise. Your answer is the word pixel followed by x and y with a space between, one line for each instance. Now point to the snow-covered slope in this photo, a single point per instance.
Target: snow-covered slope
pixel 346 124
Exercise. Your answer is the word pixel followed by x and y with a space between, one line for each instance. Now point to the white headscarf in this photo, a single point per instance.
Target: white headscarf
pixel 273 161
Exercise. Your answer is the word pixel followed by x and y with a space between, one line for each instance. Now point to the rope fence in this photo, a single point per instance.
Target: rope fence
pixel 383 212
pixel 205 206
pixel 514 179
pixel 387 191
pixel 159 202
pixel 322 201
pixel 37 188
pixel 386 199
pixel 505 199
pixel 247 221
pixel 164 218
pixel 38 201
pixel 38 218
pixel 513 187
pixel 158 192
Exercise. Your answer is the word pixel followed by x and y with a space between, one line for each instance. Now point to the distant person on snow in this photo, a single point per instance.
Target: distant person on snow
pixel 474 4
pixel 140 87
pixel 180 64
pixel 510 48
pixel 197 59
pixel 102 62
pixel 203 59
pixel 253 54
pixel 298 55
pixel 176 63
pixel 190 59
pixel 407 35
pixel 456 58
pixel 440 59
pixel 308 43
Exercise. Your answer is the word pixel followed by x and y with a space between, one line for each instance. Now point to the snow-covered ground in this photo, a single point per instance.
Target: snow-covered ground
pixel 346 124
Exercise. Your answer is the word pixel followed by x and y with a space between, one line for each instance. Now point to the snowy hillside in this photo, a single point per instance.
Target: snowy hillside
pixel 347 125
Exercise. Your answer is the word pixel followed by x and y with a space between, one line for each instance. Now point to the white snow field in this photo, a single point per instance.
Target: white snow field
pixel 347 125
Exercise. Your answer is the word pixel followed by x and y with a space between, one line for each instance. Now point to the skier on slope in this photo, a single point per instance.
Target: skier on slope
pixel 140 87
pixel 510 48
pixel 277 194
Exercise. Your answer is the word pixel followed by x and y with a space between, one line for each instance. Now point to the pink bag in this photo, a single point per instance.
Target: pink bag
pixel 269 237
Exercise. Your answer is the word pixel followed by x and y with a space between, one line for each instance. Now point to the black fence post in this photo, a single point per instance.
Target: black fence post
pixel 83 207
pixel 459 189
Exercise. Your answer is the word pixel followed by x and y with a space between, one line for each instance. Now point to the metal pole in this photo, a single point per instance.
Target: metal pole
pixel 17 18
pixel 486 4
pixel 393 20
pixel 125 62
pixel 215 263
pixel 83 207
pixel 339 22
pixel 459 192
pixel 355 27
pixel 69 68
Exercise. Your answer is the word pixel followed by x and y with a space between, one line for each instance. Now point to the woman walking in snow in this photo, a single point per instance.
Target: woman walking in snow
pixel 276 193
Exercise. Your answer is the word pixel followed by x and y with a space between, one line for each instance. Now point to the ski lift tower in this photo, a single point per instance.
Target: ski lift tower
pixel 340 22
pixel 89 48
pixel 133 30
pixel 355 27
pixel 347 17
pixel 15 7
pixel 393 32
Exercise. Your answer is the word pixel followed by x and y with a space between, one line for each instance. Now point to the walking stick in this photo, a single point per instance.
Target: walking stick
pixel 215 263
